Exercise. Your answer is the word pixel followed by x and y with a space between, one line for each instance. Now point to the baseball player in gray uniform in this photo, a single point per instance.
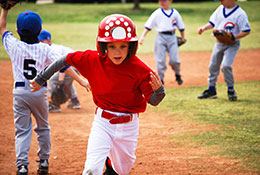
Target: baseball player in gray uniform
pixel 231 18
pixel 28 58
pixel 59 77
pixel 166 20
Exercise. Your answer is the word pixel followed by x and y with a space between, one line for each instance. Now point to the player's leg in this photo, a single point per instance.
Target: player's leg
pixel 39 108
pixel 74 102
pixel 174 61
pixel 51 86
pixel 215 61
pixel 122 153
pixel 23 129
pixel 99 144
pixel 228 60
pixel 53 82
pixel 160 55
pixel 214 67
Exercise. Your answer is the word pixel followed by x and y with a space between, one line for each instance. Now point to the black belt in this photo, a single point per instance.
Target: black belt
pixel 168 33
pixel 22 84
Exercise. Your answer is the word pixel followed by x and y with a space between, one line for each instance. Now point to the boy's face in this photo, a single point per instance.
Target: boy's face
pixel 165 4
pixel 117 51
pixel 228 3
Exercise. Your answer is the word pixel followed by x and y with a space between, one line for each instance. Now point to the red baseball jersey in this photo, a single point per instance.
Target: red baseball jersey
pixel 119 88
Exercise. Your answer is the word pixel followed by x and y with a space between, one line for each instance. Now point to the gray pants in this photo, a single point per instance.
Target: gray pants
pixel 68 82
pixel 222 54
pixel 26 103
pixel 164 44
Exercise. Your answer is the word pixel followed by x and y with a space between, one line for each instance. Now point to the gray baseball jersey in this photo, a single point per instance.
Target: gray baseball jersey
pixel 231 20
pixel 165 23
pixel 27 61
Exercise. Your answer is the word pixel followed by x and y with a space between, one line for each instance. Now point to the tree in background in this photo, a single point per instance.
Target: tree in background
pixel 136 5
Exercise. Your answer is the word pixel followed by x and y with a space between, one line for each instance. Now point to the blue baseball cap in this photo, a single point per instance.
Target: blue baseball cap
pixel 44 35
pixel 29 23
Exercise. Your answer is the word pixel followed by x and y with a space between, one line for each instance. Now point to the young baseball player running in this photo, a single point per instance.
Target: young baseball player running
pixel 60 77
pixel 231 18
pixel 29 57
pixel 165 20
pixel 121 86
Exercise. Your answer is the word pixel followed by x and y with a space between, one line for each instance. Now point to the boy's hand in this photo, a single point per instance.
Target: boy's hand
pixel 155 81
pixel 86 85
pixel 34 85
pixel 8 4
pixel 200 30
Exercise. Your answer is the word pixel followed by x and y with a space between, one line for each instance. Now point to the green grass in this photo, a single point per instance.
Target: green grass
pixel 75 25
pixel 238 123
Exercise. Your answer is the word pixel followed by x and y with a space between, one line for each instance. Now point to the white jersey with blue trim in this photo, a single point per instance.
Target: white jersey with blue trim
pixel 231 20
pixel 165 20
pixel 27 59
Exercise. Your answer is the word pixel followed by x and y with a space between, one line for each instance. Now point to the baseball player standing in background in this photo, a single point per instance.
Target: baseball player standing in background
pixel 29 57
pixel 60 77
pixel 231 18
pixel 165 20
pixel 121 87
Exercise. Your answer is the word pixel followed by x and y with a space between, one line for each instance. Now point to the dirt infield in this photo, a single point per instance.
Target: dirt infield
pixel 155 153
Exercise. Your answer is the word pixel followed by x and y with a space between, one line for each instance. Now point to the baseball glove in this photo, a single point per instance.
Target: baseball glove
pixel 224 37
pixel 180 42
pixel 8 4
pixel 59 94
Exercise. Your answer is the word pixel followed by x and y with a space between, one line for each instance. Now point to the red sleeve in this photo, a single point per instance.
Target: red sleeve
pixel 80 60
pixel 75 59
pixel 145 85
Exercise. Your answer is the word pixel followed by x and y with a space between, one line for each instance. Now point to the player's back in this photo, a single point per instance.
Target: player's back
pixel 28 59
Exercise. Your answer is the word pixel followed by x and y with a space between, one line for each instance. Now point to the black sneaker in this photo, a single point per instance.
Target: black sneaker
pixel 43 167
pixel 73 105
pixel 232 96
pixel 54 108
pixel 208 94
pixel 178 79
pixel 109 170
pixel 22 170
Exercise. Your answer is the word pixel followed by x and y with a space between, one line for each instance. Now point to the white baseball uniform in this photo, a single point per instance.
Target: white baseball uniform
pixel 231 20
pixel 165 23
pixel 27 61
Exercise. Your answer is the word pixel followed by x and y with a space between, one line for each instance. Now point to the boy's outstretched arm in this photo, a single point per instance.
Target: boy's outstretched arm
pixel 3 21
pixel 141 40
pixel 57 65
pixel 158 89
pixel 203 28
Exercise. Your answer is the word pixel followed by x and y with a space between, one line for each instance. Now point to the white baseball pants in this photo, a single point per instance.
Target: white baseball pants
pixel 116 141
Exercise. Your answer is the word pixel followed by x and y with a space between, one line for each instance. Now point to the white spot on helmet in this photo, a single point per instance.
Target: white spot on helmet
pixel 119 33
pixel 108 21
pixel 129 29
pixel 126 23
pixel 118 22
pixel 106 34
pixel 107 27
pixel 111 24
pixel 122 19
pixel 114 18
pixel 129 35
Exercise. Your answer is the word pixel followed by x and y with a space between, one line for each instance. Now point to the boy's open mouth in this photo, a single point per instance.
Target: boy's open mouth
pixel 117 58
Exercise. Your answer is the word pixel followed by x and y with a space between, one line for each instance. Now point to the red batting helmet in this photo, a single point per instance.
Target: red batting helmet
pixel 116 27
